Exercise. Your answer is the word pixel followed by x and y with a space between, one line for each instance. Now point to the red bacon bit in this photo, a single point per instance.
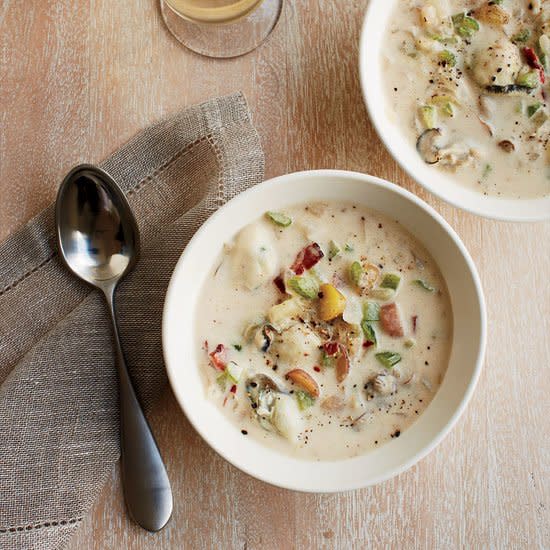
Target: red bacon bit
pixel 218 358
pixel 414 319
pixel 280 283
pixel 367 344
pixel 307 258
pixel 533 61
pixel 205 345
pixel 233 389
pixel 316 368
pixel 331 348
pixel 390 320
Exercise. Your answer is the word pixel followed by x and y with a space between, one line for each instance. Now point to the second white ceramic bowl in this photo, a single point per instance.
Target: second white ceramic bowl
pixel 377 19
pixel 182 356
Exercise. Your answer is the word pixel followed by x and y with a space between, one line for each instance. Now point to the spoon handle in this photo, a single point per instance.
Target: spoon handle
pixel 146 485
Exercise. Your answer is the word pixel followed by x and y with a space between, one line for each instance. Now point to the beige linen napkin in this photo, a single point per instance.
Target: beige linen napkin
pixel 58 389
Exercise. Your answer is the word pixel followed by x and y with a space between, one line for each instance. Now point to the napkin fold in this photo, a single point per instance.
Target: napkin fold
pixel 58 387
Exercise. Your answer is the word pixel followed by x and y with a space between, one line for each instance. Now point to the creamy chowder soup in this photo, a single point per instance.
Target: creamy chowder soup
pixel 469 82
pixel 325 331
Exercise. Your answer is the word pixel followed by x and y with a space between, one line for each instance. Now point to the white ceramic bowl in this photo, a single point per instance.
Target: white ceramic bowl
pixel 181 354
pixel 442 184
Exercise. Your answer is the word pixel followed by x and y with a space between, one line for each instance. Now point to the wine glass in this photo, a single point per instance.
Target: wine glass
pixel 221 28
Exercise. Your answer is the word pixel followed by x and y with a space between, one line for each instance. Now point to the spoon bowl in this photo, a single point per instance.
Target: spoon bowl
pixel 98 234
pixel 98 241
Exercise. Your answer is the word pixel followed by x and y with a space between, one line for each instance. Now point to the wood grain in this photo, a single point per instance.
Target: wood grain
pixel 79 78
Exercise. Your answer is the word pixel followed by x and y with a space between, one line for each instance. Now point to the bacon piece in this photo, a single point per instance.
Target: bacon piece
pixel 307 258
pixel 414 320
pixel 331 348
pixel 218 358
pixel 342 364
pixel 390 320
pixel 533 61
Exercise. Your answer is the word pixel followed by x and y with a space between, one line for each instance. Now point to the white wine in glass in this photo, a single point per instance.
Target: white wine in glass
pixel 213 11
pixel 221 28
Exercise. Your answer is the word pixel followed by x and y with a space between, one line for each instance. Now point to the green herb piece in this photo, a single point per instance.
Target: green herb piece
pixel 305 400
pixel 328 360
pixel 333 250
pixel 448 110
pixel 423 284
pixel 448 58
pixel 521 37
pixel 371 311
pixel 532 109
pixel 529 79
pixel 348 247
pixel 238 347
pixel 443 39
pixel 388 358
pixel 368 331
pixel 279 218
pixel 234 372
pixel 306 286
pixel 464 25
pixel 487 169
pixel 390 280
pixel 355 273
pixel 383 294
pixel 428 115
pixel 221 380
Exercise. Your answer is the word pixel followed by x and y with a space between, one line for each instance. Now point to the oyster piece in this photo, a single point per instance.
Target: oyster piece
pixel 295 343
pixel 497 65
pixel 384 384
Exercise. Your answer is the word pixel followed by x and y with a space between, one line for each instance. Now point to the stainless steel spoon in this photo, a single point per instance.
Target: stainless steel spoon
pixel 99 242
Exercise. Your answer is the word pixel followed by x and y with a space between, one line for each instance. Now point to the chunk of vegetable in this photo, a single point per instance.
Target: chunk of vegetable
pixel 304 399
pixel 448 58
pixel 428 116
pixel 424 284
pixel 307 258
pixel 529 79
pixel 278 218
pixel 388 358
pixel 355 273
pixel 390 280
pixel 331 303
pixel 521 36
pixel 305 286
pixel 333 250
pixel 382 294
pixel 348 247
pixel 391 320
pixel 464 25
pixel 368 331
pixel 234 371
pixel 371 311
pixel 532 109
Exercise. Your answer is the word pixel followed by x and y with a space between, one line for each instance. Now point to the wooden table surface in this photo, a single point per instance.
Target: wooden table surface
pixel 78 78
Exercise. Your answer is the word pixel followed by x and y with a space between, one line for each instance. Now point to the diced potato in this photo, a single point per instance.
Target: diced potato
pixel 282 315
pixel 332 302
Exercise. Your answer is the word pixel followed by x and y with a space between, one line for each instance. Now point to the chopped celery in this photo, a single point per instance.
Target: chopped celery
pixel 368 331
pixel 355 272
pixel 348 247
pixel 383 294
pixel 521 36
pixel 371 311
pixel 305 286
pixel 390 280
pixel 328 360
pixel 424 284
pixel 448 58
pixel 279 218
pixel 529 79
pixel 234 371
pixel 388 358
pixel 333 250
pixel 464 25
pixel 448 109
pixel 238 347
pixel 305 400
pixel 221 380
pixel 532 109
pixel 428 115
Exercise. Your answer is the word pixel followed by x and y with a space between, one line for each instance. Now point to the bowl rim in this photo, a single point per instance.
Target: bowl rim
pixel 481 208
pixel 325 487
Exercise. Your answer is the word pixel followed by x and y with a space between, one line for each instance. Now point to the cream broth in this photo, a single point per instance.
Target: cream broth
pixel 344 350
pixel 469 82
